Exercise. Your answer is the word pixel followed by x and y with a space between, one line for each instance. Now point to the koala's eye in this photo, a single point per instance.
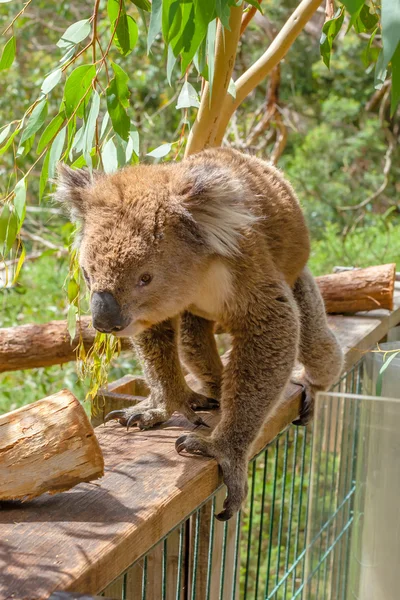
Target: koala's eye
pixel 145 279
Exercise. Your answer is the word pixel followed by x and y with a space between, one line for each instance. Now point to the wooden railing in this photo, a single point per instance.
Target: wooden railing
pixel 82 540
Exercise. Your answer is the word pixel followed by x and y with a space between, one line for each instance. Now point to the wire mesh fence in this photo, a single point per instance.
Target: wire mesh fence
pixel 270 550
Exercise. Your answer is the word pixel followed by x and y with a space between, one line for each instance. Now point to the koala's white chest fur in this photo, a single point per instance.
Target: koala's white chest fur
pixel 213 292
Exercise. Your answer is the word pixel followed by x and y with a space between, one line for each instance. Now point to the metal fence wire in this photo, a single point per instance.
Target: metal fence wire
pixel 270 551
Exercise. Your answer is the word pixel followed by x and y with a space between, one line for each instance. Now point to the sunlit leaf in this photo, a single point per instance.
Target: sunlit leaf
pixel 161 151
pixel 35 121
pixel 44 175
pixel 4 133
pixel 390 19
pixel 72 291
pixel 155 22
pixel 71 320
pixel 21 260
pixel 330 30
pixel 56 151
pixel 8 54
pixel 51 81
pixel 9 141
pixel 20 200
pixel 232 88
pixel 76 86
pixel 74 34
pixel 188 97
pixel 8 228
pixel 91 126
pixel 211 35
pixel 109 157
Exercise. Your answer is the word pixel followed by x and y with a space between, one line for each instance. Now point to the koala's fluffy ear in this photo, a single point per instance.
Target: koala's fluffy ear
pixel 215 200
pixel 71 184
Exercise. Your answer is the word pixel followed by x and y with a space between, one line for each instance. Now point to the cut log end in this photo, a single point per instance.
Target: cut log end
pixel 47 446
pixel 359 289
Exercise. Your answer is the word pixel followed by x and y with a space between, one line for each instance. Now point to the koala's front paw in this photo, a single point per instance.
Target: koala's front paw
pixel 234 470
pixel 143 414
pixel 146 415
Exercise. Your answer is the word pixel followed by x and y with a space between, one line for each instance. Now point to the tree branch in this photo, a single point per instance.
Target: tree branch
pixel 205 127
pixel 264 65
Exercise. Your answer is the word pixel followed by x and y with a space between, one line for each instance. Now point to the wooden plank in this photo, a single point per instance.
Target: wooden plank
pixel 83 539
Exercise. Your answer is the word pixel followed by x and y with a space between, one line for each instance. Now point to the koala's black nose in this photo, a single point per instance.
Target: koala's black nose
pixel 106 312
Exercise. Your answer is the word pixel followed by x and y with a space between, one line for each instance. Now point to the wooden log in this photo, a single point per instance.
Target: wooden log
pixel 47 446
pixel 359 289
pixel 32 346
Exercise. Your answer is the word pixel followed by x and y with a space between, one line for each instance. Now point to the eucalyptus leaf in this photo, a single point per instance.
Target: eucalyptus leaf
pixel 50 132
pixel 155 22
pixel 76 33
pixel 143 4
pixel 90 127
pixel 76 86
pixel 161 151
pixel 109 157
pixel 51 81
pixel 390 19
pixel 117 102
pixel 20 200
pixel 395 98
pixel 35 121
pixel 56 151
pixel 4 133
pixel 44 175
pixel 8 54
pixel 188 97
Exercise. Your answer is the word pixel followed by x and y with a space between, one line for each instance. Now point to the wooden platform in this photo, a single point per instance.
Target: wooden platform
pixel 82 539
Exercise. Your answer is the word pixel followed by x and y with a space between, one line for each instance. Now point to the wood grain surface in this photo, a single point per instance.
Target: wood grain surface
pixel 82 540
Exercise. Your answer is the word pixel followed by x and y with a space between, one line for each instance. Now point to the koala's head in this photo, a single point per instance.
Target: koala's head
pixel 148 235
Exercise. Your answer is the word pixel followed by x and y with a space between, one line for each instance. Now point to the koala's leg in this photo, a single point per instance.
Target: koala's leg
pixel 158 351
pixel 263 355
pixel 319 350
pixel 199 353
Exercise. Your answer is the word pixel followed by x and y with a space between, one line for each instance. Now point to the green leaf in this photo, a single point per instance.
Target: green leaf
pixel 44 175
pixel 21 260
pixel 109 157
pixel 143 4
pixel 395 98
pixel 171 62
pixel 8 228
pixel 366 20
pixel 104 124
pixel 91 127
pixel 126 35
pixel 161 151
pixel 8 54
pixel 353 6
pixel 9 141
pixel 20 200
pixel 51 81
pixel 390 20
pixel 56 151
pixel 76 86
pixel 35 121
pixel 366 54
pixel 188 97
pixel 50 132
pixel 74 34
pixel 72 291
pixel 223 9
pixel 4 133
pixel 155 23
pixel 330 30
pixel 71 320
pixel 117 102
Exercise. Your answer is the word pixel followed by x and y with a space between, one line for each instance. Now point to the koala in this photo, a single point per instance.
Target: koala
pixel 170 250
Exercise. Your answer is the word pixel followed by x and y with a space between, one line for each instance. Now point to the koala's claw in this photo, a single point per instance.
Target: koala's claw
pixel 234 472
pixel 200 402
pixel 307 407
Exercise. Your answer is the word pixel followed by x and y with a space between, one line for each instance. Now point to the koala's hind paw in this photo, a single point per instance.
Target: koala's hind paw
pixel 200 402
pixel 307 406
pixel 234 471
